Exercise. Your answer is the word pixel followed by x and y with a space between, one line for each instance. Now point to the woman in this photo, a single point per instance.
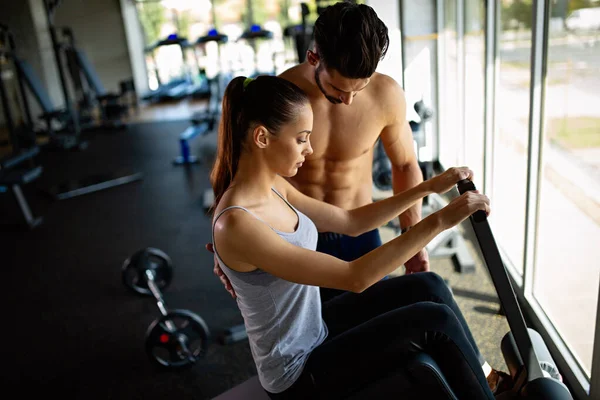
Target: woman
pixel 264 237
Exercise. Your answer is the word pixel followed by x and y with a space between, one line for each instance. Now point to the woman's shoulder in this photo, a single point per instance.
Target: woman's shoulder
pixel 228 213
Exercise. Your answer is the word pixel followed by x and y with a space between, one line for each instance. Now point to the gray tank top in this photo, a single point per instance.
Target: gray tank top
pixel 283 319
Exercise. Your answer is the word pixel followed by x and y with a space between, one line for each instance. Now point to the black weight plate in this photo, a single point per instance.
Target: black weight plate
pixel 177 340
pixel 133 271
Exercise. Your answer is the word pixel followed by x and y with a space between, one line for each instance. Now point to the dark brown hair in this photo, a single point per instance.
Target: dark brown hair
pixel 351 39
pixel 269 101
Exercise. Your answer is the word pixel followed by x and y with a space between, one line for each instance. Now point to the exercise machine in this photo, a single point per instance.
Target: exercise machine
pixel 176 88
pixel 300 35
pixel 534 372
pixel 58 123
pixel 187 84
pixel 17 168
pixel 254 36
pixel 20 134
pixel 178 338
pixel 204 122
pixel 90 93
pixel 68 116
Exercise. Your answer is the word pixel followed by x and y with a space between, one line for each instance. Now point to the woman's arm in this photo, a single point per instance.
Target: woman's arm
pixel 329 218
pixel 245 244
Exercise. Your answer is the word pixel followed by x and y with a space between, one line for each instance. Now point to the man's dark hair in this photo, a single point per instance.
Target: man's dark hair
pixel 351 39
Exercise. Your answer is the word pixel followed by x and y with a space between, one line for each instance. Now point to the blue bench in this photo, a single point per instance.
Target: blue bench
pixel 202 124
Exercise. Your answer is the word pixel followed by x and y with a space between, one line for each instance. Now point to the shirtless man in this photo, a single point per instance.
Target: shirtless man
pixel 353 106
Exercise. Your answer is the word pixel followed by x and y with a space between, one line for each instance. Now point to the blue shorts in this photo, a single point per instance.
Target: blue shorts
pixel 346 248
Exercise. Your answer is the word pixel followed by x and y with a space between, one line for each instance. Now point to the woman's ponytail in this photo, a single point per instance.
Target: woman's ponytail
pixel 229 142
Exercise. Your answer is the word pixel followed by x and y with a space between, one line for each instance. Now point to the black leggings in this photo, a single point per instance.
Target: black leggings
pixel 370 331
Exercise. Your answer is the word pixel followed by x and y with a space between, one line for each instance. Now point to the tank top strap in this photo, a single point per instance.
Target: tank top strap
pixel 283 198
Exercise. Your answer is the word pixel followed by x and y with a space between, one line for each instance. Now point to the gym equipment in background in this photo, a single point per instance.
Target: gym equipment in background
pixel 186 84
pixel 253 36
pixel 204 122
pixel 16 170
pixel 90 93
pixel 72 137
pixel 19 167
pixel 178 338
pixel 300 35
pixel 449 243
pixel 534 372
pixel 21 135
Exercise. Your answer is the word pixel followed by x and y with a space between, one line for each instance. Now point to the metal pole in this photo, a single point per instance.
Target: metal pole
pixel 7 113
pixel 61 73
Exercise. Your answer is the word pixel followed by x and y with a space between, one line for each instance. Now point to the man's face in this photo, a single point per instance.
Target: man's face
pixel 336 88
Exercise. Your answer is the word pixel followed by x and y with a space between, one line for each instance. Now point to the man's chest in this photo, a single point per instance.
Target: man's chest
pixel 342 132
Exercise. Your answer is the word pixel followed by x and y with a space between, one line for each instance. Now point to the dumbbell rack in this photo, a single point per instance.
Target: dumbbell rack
pixel 178 338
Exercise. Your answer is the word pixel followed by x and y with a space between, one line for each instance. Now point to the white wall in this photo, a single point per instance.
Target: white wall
pixel 389 12
pixel 98 29
pixel 135 45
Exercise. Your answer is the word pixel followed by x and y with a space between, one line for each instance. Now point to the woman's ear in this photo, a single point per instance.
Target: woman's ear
pixel 261 137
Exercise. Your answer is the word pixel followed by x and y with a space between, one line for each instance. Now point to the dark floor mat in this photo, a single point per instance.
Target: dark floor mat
pixel 72 328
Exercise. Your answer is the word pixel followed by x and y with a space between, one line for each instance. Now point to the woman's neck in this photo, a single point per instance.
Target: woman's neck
pixel 253 177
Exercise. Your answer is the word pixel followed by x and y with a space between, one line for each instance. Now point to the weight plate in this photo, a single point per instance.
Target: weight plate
pixel 134 269
pixel 177 340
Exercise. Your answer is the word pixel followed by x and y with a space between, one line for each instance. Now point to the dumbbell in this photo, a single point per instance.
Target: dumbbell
pixel 178 338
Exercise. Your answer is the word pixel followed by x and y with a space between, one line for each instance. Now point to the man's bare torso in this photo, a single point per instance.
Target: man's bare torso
pixel 339 171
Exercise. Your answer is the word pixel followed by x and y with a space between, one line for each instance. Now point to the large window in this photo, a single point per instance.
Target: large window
pixel 509 169
pixel 543 150
pixel 567 270
pixel 474 106
pixel 449 132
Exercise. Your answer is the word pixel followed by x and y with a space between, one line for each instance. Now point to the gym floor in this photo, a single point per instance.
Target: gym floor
pixel 71 327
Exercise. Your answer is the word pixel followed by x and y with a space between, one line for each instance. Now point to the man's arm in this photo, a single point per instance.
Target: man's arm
pixel 397 140
pixel 398 143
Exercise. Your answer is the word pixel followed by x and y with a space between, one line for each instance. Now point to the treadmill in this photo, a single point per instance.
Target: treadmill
pixel 177 88
pixel 530 364
pixel 252 35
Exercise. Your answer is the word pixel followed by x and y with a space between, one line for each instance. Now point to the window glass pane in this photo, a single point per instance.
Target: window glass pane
pixel 567 270
pixel 474 87
pixel 450 137
pixel 512 126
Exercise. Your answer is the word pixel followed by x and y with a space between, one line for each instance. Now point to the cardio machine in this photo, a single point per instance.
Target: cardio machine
pixel 180 87
pixel 205 122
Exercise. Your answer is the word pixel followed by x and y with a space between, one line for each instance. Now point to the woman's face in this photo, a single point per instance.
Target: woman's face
pixel 290 147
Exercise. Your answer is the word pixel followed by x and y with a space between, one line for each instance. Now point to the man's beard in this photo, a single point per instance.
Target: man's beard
pixel 328 97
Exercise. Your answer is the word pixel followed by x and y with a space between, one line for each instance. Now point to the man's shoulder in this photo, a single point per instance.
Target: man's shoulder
pixel 386 88
pixel 389 96
pixel 296 75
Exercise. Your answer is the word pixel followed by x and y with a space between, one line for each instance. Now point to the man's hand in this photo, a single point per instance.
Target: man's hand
pixel 219 272
pixel 419 263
